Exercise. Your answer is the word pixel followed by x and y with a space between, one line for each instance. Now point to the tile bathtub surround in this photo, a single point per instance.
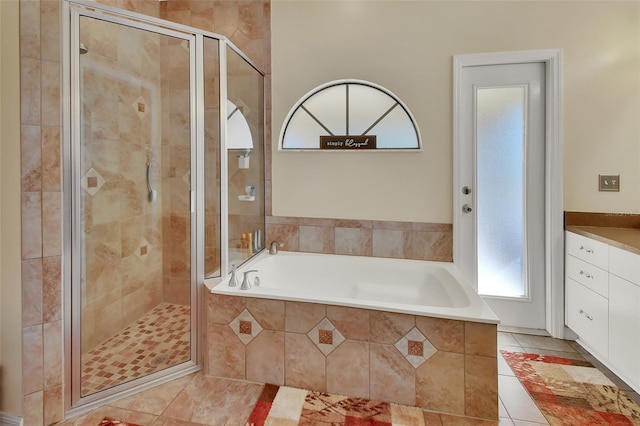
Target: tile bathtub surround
pixel 402 240
pixel 441 365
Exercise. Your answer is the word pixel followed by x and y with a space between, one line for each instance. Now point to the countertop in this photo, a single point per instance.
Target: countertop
pixel 623 238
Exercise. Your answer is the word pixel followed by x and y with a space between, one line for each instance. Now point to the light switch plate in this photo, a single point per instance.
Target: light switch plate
pixel 609 183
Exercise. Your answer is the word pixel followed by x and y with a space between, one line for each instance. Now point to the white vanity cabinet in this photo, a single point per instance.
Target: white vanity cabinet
pixel 624 316
pixel 602 285
pixel 587 291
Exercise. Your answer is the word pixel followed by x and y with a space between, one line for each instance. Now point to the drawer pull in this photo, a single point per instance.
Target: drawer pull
pixel 586 315
pixel 586 275
pixel 588 250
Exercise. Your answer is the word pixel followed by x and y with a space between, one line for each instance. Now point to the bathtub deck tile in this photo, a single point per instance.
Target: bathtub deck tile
pixel 302 317
pixel 389 327
pixel 440 383
pixel 223 309
pixel 348 369
pixel 392 377
pixel 481 386
pixel 304 363
pixel 444 334
pixel 226 353
pixel 265 358
pixel 269 313
pixel 481 339
pixel 353 323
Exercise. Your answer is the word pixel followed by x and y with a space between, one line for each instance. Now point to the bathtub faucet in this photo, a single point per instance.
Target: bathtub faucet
pixel 273 248
pixel 233 281
pixel 246 285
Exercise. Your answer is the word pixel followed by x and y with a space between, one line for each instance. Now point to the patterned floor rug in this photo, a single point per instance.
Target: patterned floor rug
pixel 572 392
pixel 281 405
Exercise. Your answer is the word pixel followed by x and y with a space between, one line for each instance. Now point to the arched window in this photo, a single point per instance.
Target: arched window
pixel 349 114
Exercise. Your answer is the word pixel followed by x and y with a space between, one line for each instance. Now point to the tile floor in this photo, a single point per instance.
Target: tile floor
pixel 157 340
pixel 197 400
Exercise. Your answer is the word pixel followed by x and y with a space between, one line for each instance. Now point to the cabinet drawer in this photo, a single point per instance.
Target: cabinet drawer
pixel 588 275
pixel 589 250
pixel 624 264
pixel 588 316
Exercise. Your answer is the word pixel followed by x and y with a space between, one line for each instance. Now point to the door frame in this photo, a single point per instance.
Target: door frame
pixel 554 221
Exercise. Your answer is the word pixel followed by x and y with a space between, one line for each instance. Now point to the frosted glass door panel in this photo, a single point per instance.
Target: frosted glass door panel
pixel 500 132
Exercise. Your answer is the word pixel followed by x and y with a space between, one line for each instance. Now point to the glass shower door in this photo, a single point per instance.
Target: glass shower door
pixel 133 219
pixel 245 154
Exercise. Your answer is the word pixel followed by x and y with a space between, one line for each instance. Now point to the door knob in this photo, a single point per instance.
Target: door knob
pixel 467 208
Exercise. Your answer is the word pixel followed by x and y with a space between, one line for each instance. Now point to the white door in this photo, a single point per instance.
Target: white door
pixel 501 193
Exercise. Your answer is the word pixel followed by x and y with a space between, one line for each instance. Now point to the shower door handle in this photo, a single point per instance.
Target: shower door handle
pixel 467 208
pixel 153 194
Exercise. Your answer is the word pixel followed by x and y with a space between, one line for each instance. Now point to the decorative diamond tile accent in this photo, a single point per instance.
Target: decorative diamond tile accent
pixel 415 347
pixel 186 178
pixel 143 250
pixel 185 45
pixel 245 327
pixel 140 107
pixel 325 336
pixel 92 182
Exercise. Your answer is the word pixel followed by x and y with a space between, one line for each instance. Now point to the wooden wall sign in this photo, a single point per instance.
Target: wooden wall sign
pixel 348 142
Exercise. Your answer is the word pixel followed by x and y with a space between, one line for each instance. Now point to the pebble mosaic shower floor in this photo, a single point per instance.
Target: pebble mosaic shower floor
pixel 156 341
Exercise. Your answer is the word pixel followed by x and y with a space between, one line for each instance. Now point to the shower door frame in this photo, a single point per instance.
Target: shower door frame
pixel 71 11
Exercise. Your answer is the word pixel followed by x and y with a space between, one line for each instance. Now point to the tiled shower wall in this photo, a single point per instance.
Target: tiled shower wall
pixel 122 227
pixel 441 365
pixel 212 156
pixel 176 165
pixel 247 25
pixel 245 22
pixel 42 328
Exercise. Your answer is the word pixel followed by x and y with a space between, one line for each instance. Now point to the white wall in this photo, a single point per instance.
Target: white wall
pixel 407 46
pixel 10 274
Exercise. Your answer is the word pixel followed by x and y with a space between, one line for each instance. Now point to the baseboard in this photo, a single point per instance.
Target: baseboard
pixel 10 420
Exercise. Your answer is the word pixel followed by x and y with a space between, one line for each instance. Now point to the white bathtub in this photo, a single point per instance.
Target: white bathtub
pixel 434 289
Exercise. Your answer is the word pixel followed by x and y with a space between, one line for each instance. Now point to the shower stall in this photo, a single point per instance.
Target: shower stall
pixel 164 186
